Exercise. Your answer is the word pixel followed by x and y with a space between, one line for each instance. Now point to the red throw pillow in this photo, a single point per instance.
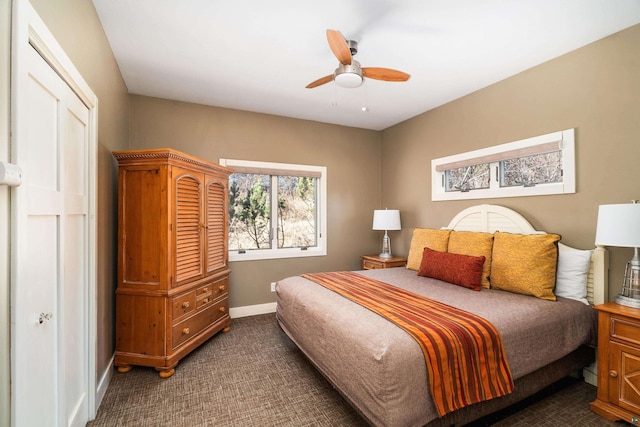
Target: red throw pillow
pixel 462 270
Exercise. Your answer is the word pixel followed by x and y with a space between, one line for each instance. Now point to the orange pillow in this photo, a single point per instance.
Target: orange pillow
pixel 462 270
pixel 525 263
pixel 473 243
pixel 423 238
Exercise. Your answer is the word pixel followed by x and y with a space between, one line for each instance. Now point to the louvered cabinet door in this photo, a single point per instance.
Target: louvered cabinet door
pixel 216 224
pixel 189 226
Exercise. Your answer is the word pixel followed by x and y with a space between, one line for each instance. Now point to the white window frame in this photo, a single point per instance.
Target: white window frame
pixel 321 233
pixel 566 140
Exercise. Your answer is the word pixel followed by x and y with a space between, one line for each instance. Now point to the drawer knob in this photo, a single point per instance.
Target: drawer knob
pixel 206 300
pixel 185 304
pixel 222 309
pixel 185 331
pixel 634 420
pixel 221 287
pixel 613 374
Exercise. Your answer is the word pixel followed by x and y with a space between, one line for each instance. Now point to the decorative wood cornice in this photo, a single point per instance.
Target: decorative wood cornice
pixel 168 154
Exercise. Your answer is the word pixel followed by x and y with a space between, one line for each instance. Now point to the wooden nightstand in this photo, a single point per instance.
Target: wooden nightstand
pixel 618 363
pixel 372 262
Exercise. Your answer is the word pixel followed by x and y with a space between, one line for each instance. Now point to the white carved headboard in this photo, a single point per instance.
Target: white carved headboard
pixel 491 218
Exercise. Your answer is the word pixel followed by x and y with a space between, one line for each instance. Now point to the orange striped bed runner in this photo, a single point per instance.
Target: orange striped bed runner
pixel 463 352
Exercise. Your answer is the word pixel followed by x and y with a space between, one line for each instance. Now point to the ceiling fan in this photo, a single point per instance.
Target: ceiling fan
pixel 349 72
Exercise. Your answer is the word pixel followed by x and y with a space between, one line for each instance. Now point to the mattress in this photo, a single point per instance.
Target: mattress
pixel 381 370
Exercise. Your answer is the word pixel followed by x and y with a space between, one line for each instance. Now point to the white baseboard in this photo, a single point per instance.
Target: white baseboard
pixel 590 374
pixel 103 384
pixel 252 310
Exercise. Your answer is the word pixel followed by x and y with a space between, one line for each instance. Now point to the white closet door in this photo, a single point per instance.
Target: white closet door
pixel 51 268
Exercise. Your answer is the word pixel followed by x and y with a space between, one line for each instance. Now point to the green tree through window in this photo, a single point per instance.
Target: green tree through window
pixel 296 212
pixel 250 211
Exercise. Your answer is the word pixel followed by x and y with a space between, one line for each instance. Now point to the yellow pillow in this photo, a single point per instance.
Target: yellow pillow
pixel 525 263
pixel 426 238
pixel 474 244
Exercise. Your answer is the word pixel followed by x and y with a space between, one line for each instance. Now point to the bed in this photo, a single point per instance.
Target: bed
pixel 380 369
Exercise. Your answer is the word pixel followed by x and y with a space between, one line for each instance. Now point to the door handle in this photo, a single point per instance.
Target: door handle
pixel 43 317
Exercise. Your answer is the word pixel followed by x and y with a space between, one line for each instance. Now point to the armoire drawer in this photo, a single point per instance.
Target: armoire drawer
pixel 192 326
pixel 215 289
pixel 183 305
pixel 221 287
pixel 210 292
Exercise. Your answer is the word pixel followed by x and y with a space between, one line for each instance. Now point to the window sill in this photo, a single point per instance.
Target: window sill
pixel 256 255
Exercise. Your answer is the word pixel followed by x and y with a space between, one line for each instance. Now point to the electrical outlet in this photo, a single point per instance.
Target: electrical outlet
pixel 273 286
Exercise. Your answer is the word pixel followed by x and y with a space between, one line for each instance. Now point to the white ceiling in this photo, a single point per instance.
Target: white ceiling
pixel 259 55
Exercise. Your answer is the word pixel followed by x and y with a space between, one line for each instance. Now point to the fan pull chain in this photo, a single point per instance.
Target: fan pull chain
pixel 334 103
pixel 365 103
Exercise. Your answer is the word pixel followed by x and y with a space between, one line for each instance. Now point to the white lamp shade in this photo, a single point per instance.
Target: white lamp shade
pixel 619 225
pixel 387 219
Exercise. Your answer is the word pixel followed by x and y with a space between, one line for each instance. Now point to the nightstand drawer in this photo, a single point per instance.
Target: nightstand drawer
pixel 625 329
pixel 371 265
pixel 373 262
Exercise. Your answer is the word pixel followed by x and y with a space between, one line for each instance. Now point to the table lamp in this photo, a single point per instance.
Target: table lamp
pixel 619 225
pixel 386 219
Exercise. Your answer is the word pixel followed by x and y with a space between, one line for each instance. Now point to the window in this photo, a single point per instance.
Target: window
pixel 276 210
pixel 529 171
pixel 467 178
pixel 534 166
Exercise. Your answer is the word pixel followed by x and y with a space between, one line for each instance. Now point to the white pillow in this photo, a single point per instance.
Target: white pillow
pixel 571 277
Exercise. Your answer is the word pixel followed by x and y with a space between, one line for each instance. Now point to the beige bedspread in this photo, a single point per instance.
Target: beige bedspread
pixel 380 369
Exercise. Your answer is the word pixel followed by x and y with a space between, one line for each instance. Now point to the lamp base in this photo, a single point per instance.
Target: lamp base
pixel 386 246
pixel 626 301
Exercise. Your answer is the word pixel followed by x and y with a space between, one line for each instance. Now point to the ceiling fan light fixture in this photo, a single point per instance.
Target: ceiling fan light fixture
pixel 348 80
pixel 348 75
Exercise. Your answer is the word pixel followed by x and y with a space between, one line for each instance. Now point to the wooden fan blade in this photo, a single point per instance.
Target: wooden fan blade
pixel 386 74
pixel 320 81
pixel 339 46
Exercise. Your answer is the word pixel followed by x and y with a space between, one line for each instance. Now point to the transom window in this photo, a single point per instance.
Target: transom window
pixel 276 210
pixel 534 166
pixel 529 171
pixel 467 178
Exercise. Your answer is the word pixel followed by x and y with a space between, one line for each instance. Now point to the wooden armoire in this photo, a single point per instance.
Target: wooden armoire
pixel 173 273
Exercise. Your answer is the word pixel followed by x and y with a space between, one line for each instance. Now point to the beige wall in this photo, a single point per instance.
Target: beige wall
pixel 75 25
pixel 594 89
pixel 352 158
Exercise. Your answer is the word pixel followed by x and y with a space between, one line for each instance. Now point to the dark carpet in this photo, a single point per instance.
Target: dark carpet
pixel 255 376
